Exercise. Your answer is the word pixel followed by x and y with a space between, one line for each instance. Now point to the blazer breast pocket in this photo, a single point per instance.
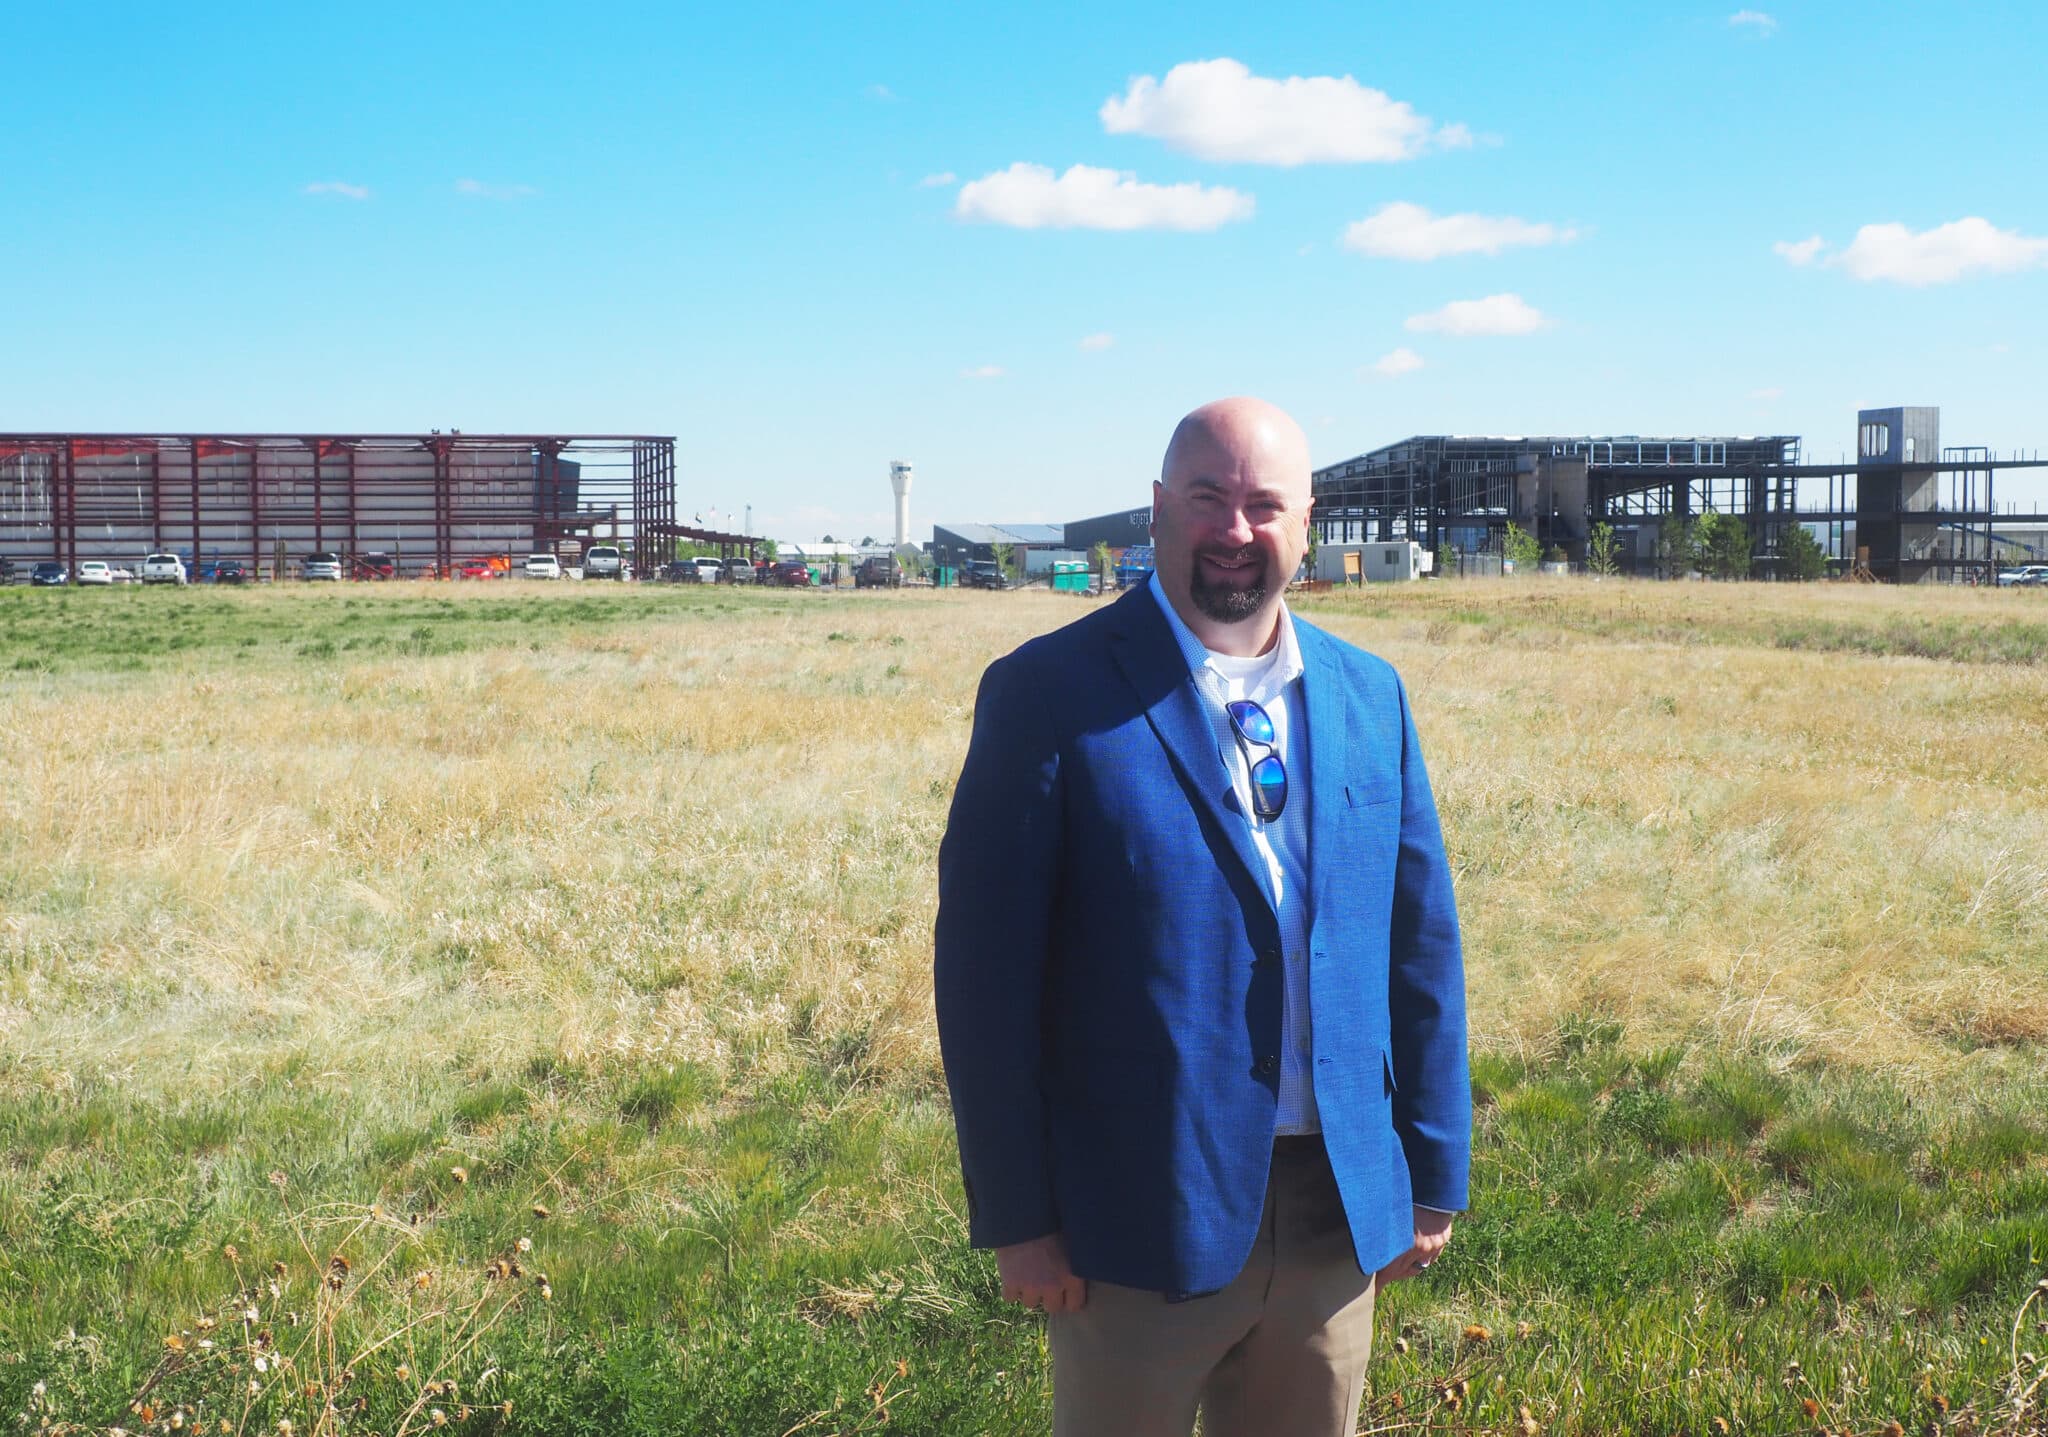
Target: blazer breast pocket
pixel 1370 794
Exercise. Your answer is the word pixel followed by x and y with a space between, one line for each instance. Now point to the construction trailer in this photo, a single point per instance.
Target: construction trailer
pixel 1397 561
pixel 426 504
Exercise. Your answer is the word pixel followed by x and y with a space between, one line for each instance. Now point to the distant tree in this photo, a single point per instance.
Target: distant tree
pixel 1700 537
pixel 867 541
pixel 1102 561
pixel 1006 558
pixel 1602 549
pixel 1520 547
pixel 1315 544
pixel 1446 561
pixel 1803 557
pixel 1720 545
pixel 769 550
pixel 828 539
pixel 1674 546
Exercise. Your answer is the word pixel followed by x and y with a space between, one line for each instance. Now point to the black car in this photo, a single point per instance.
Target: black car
pixel 983 574
pixel 230 571
pixel 49 574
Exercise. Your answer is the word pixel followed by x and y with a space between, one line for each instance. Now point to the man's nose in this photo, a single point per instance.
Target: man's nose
pixel 1237 529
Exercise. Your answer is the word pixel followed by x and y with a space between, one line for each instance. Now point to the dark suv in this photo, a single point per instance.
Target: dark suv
pixel 982 574
pixel 790 573
pixel 878 571
pixel 49 574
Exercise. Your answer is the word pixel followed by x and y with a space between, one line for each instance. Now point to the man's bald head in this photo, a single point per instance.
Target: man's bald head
pixel 1230 520
pixel 1236 431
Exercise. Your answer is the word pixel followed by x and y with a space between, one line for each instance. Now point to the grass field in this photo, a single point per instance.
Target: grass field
pixel 513 1003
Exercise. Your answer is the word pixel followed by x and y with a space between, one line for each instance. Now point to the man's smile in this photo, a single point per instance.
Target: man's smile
pixel 1233 566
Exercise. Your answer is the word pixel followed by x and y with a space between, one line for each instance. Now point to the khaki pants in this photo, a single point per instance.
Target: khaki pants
pixel 1281 1352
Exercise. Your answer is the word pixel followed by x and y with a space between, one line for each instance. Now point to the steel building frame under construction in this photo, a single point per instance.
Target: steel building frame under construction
pixel 1464 490
pixel 433 503
pixel 1461 491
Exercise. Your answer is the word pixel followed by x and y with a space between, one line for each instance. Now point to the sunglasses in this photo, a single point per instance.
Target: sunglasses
pixel 1254 727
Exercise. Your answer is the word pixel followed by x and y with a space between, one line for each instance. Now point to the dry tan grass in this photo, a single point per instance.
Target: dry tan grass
pixel 710 840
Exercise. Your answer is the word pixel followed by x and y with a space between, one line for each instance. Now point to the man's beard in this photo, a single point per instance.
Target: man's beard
pixel 1222 603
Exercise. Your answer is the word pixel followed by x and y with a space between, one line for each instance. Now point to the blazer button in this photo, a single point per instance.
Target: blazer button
pixel 1268 1066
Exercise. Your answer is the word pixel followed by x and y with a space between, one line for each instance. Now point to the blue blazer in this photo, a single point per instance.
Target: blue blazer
pixel 1107 971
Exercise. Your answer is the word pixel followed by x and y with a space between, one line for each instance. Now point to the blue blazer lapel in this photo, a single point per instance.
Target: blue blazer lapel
pixel 1151 662
pixel 1331 735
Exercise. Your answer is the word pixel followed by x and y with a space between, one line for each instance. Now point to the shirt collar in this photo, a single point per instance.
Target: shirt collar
pixel 1285 671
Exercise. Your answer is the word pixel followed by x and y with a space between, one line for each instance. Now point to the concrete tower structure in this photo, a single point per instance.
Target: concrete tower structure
pixel 899 481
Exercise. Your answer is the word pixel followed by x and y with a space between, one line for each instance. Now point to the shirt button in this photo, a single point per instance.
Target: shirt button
pixel 1269 1065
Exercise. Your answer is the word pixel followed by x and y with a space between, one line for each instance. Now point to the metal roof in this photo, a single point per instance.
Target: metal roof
pixel 1030 535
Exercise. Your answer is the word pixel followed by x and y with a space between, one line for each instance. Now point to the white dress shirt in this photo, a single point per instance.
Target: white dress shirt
pixel 1271 680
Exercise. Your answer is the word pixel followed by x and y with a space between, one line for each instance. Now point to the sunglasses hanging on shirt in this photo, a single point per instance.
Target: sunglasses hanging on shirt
pixel 1254 729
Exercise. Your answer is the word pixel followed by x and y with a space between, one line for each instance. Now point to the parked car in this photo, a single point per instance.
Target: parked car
pixel 374 565
pixel 542 566
pixel 709 571
pixel 122 574
pixel 163 569
pixel 6 570
pixel 49 574
pixel 2027 574
pixel 983 574
pixel 878 571
pixel 323 567
pixel 231 571
pixel 604 561
pixel 790 573
pixel 94 571
pixel 677 571
pixel 739 571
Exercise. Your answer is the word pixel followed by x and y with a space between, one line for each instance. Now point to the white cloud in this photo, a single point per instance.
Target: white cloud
pixel 1396 363
pixel 1220 110
pixel 1495 314
pixel 880 92
pixel 338 187
pixel 1027 196
pixel 1098 341
pixel 984 371
pixel 1762 23
pixel 1800 252
pixel 1767 394
pixel 1404 231
pixel 477 189
pixel 1941 255
pixel 938 181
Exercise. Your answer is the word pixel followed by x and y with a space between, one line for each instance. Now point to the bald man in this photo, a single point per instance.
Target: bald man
pixel 1200 993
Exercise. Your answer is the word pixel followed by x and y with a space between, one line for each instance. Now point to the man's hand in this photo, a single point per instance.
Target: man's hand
pixel 1432 1231
pixel 1036 1274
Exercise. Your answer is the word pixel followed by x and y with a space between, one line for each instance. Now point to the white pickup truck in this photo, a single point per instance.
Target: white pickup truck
pixel 604 561
pixel 163 569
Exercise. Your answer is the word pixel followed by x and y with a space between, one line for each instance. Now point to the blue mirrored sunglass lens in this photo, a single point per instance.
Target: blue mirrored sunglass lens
pixel 1252 721
pixel 1269 778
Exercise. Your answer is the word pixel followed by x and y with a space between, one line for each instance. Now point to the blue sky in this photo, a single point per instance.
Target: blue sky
pixel 798 239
